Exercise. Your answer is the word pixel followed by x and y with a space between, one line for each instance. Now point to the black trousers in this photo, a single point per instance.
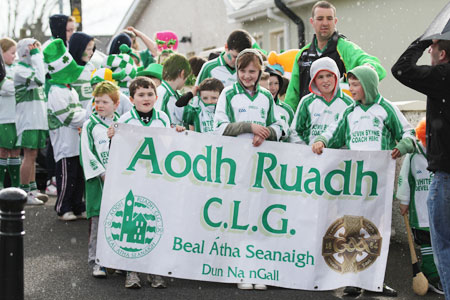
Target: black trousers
pixel 69 186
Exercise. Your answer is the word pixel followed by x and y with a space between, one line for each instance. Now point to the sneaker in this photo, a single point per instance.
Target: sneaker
pixel 98 271
pixel 31 200
pixel 435 285
pixel 132 281
pixel 245 286
pixel 156 281
pixel 388 291
pixel 40 196
pixel 82 216
pixel 260 287
pixel 68 216
pixel 352 291
pixel 51 188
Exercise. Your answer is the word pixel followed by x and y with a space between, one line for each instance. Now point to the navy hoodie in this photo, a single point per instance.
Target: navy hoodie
pixel 77 46
pixel 118 40
pixel 58 24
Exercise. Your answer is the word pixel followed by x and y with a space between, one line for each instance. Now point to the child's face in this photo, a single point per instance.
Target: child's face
pixel 209 97
pixel 144 99
pixel 356 90
pixel 88 52
pixel 249 75
pixel 105 106
pixel 230 58
pixel 70 29
pixel 274 85
pixel 10 55
pixel 325 82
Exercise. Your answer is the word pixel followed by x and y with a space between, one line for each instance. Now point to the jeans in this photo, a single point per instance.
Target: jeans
pixel 439 213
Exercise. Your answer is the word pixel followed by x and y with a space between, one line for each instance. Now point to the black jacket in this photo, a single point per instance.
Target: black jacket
pixel 433 81
pixel 77 46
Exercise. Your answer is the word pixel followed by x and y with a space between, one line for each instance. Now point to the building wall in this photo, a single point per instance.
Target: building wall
pixel 382 28
pixel 205 20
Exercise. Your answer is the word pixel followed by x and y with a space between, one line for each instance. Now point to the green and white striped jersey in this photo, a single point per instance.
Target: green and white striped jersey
pixel 7 97
pixel 166 103
pixel 83 85
pixel 378 126
pixel 159 119
pixel 413 185
pixel 314 115
pixel 236 105
pixel 217 68
pixel 31 104
pixel 65 116
pixel 94 145
pixel 201 116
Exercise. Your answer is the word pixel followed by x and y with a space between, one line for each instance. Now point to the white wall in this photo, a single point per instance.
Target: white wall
pixel 205 19
pixel 383 28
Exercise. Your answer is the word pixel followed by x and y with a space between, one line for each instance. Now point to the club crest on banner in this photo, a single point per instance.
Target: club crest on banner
pixel 351 244
pixel 133 226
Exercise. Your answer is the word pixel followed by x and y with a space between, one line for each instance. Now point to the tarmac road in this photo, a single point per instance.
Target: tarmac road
pixel 56 268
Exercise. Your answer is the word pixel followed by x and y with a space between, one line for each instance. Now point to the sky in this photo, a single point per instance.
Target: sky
pixel 100 17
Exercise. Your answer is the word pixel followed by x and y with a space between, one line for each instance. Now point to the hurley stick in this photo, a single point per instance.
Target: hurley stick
pixel 420 282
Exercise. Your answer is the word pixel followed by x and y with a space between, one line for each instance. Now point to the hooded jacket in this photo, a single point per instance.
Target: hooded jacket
pixel 315 114
pixel 374 125
pixel 323 64
pixel 58 24
pixel 118 40
pixel 2 68
pixel 77 46
pixel 369 82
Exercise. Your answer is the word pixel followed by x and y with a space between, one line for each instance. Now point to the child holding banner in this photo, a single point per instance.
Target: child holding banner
pixel 372 123
pixel 94 151
pixel 143 95
pixel 325 104
pixel 244 109
pixel 413 185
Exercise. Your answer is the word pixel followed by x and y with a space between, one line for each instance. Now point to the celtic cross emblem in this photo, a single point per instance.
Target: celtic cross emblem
pixel 351 244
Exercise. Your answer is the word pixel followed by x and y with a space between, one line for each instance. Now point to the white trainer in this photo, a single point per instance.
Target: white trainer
pixel 245 286
pixel 260 287
pixel 31 200
pixel 51 188
pixel 40 196
pixel 68 216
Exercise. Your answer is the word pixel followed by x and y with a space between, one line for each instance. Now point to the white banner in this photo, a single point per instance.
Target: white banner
pixel 213 208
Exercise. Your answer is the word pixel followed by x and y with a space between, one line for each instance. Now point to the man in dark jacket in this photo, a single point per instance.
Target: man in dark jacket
pixel 434 81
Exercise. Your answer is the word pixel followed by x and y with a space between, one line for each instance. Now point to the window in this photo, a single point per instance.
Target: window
pixel 277 40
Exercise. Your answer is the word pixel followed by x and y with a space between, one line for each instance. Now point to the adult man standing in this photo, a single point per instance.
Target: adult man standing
pixel 434 81
pixel 326 42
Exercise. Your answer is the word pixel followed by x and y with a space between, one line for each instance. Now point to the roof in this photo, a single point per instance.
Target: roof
pixel 245 10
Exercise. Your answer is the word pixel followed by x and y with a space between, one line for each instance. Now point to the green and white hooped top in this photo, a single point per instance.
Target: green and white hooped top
pixel 83 85
pixel 7 97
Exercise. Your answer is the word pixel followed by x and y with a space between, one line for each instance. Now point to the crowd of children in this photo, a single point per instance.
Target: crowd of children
pixel 235 94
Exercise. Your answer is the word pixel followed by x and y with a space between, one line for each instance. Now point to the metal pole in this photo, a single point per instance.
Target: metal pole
pixel 12 201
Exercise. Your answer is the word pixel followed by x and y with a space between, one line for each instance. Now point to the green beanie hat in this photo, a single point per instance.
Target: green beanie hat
pixel 369 82
pixel 153 70
pixel 61 66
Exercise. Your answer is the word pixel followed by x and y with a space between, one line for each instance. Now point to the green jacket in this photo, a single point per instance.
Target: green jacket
pixel 351 55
